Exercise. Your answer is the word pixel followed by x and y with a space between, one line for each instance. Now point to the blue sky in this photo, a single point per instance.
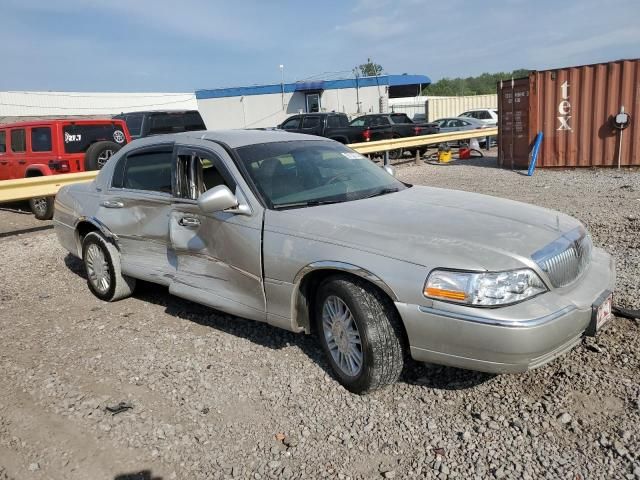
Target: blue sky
pixel 174 46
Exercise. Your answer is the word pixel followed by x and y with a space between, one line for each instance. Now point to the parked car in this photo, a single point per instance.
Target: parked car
pixel 456 124
pixel 488 116
pixel 143 124
pixel 330 125
pixel 308 235
pixel 49 147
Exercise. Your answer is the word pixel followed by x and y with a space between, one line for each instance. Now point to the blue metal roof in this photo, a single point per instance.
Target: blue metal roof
pixel 382 80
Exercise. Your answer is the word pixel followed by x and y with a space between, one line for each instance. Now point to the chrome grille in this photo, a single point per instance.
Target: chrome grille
pixel 566 258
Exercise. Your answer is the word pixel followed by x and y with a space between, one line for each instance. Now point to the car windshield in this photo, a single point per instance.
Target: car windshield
pixel 307 173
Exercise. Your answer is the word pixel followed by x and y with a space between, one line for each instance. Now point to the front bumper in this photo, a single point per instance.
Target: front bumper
pixel 508 339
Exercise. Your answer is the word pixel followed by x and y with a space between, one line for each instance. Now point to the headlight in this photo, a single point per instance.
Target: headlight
pixel 483 289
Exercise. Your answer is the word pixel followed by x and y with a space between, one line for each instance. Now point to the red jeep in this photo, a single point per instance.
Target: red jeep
pixel 49 147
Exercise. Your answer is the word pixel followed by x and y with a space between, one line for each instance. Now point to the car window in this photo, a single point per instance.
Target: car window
pixel 150 170
pixel 134 124
pixel 300 173
pixel 380 121
pixel 359 122
pixel 172 122
pixel 291 124
pixel 464 123
pixel 3 141
pixel 310 122
pixel 18 140
pixel 485 115
pixel 199 171
pixel 400 118
pixel 336 121
pixel 41 139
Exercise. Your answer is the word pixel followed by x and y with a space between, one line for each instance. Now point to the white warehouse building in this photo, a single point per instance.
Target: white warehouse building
pixel 269 105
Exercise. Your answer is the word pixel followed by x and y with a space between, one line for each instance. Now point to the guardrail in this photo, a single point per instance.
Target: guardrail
pixel 413 142
pixel 25 188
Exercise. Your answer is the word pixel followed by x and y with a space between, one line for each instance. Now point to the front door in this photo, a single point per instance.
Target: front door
pixel 313 102
pixel 218 255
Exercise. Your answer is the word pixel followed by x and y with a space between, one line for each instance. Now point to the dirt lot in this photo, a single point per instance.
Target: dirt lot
pixel 212 394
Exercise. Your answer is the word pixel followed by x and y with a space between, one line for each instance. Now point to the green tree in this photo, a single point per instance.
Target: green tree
pixel 370 69
pixel 481 85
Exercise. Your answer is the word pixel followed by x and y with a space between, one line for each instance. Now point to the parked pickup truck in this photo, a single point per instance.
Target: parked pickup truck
pixel 336 126
pixel 331 125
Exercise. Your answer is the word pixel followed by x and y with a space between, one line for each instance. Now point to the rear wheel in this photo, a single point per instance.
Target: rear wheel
pixel 102 265
pixel 360 333
pixel 42 207
pixel 98 154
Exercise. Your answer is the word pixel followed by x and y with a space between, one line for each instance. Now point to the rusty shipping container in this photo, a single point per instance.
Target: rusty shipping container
pixel 574 108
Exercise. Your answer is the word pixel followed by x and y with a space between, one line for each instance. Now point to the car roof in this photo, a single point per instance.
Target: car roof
pixel 233 138
pixel 56 121
pixel 149 112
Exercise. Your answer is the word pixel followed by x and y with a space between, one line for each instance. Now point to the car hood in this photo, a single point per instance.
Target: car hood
pixel 432 227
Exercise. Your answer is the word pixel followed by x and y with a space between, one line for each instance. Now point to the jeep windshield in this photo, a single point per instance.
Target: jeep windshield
pixel 309 173
pixel 78 137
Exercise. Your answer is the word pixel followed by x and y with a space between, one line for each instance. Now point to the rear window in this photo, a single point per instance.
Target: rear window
pixel 400 118
pixel 77 138
pixel 335 121
pixel 149 171
pixel 41 139
pixel 310 122
pixel 3 141
pixel 134 124
pixel 160 123
pixel 18 140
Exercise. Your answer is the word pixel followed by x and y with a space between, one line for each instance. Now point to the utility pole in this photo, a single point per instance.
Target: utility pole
pixel 282 83
pixel 357 75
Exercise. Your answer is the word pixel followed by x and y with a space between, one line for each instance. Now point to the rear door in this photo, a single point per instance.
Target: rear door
pixel 40 147
pixel 218 255
pixel 4 156
pixel 312 125
pixel 17 152
pixel 136 208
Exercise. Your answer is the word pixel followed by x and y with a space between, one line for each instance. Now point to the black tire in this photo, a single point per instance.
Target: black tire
pixel 381 335
pixel 42 207
pixel 98 153
pixel 119 286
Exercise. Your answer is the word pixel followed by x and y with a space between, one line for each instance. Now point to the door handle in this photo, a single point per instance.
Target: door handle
pixel 22 162
pixel 112 204
pixel 190 222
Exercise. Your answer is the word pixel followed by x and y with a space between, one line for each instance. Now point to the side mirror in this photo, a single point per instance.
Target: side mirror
pixel 390 170
pixel 217 199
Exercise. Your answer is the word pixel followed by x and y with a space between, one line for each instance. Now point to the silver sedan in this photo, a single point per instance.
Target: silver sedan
pixel 307 235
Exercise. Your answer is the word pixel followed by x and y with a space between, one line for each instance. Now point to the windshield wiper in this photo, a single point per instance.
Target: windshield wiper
pixel 308 203
pixel 383 191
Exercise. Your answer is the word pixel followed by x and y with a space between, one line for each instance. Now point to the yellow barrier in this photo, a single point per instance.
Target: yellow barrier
pixel 414 142
pixel 25 188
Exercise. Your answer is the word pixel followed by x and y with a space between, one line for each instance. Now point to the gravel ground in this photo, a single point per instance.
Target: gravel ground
pixel 215 396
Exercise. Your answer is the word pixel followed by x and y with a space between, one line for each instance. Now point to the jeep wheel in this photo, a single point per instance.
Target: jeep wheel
pixel 102 265
pixel 42 207
pixel 98 153
pixel 360 333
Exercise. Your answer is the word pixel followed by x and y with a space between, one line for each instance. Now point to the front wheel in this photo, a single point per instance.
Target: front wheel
pixel 42 207
pixel 360 333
